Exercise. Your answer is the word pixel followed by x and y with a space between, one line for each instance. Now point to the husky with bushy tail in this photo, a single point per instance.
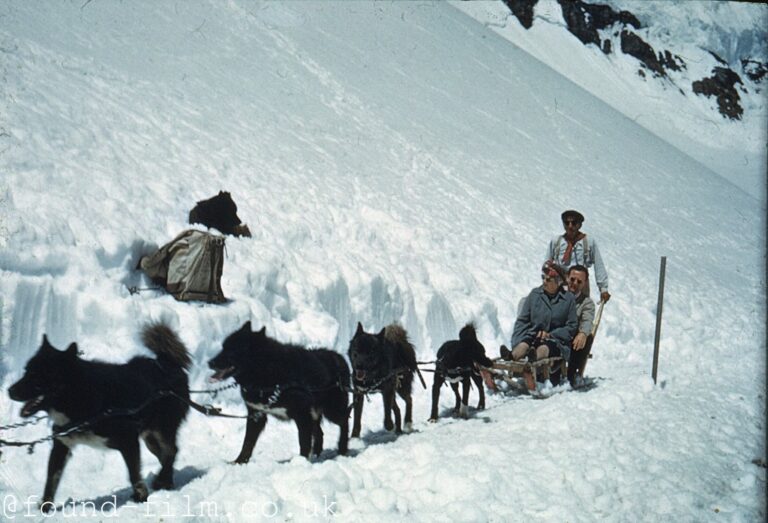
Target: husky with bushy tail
pixel 383 362
pixel 110 405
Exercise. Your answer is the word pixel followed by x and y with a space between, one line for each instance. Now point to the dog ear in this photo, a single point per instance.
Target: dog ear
pixel 467 333
pixel 359 330
pixel 381 333
pixel 263 331
pixel 46 344
pixel 246 326
pixel 71 350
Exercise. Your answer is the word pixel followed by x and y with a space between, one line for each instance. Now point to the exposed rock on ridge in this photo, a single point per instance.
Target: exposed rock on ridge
pixel 595 24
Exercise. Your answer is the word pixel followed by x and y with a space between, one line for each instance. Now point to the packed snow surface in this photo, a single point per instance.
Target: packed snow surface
pixel 395 162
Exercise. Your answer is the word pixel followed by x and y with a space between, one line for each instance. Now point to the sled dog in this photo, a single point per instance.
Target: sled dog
pixel 288 382
pixel 110 405
pixel 383 362
pixel 456 361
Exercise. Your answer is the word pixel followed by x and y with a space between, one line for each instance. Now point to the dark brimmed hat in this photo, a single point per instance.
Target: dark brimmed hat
pixel 570 213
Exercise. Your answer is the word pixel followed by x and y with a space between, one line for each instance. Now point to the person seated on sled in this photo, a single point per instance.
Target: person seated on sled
pixel 585 315
pixel 547 321
pixel 575 248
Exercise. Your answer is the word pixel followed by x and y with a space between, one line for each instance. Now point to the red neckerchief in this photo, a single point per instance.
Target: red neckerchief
pixel 569 249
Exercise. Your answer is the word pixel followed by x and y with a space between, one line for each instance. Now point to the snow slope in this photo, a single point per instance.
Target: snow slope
pixel 690 29
pixel 395 162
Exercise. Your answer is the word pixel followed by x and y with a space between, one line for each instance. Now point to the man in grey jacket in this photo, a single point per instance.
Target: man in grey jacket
pixel 575 248
pixel 585 315
pixel 547 321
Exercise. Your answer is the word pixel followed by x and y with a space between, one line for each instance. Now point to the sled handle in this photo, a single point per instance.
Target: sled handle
pixel 596 323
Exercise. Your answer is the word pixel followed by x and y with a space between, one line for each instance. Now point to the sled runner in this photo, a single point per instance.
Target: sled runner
pixel 511 372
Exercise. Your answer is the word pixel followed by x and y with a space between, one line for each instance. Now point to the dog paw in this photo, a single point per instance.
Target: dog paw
pixel 47 506
pixel 432 420
pixel 408 428
pixel 464 411
pixel 140 492
pixel 388 425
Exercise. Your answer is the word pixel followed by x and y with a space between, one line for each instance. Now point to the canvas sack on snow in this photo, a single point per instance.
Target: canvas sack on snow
pixel 189 266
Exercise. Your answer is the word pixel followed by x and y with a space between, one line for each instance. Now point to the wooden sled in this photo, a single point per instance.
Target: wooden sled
pixel 511 371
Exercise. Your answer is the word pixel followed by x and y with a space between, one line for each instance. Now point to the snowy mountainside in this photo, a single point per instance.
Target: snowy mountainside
pixel 394 162
pixel 692 72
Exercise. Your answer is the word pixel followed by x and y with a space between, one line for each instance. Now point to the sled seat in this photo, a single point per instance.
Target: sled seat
pixel 509 370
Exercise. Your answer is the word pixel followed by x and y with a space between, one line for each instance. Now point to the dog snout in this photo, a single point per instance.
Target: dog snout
pixel 20 391
pixel 13 392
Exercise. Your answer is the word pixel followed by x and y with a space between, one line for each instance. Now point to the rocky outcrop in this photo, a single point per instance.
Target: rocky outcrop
pixel 585 21
pixel 633 45
pixel 722 85
pixel 523 11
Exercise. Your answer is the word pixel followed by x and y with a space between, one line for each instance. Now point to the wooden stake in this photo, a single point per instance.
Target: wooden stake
pixel 659 308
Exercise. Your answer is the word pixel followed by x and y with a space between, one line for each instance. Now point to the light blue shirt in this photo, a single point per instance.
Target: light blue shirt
pixel 557 249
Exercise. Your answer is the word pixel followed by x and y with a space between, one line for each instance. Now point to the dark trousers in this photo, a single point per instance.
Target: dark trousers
pixel 578 361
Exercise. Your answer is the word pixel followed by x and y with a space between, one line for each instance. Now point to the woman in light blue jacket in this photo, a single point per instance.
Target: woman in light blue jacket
pixel 547 320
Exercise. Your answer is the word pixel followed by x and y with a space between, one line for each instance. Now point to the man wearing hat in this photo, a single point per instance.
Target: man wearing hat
pixel 575 248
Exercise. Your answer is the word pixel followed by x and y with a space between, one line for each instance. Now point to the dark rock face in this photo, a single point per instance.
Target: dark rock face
pixel 670 61
pixel 633 45
pixel 584 20
pixel 523 10
pixel 722 84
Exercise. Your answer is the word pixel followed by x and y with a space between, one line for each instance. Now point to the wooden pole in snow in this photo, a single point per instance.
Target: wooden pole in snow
pixel 659 308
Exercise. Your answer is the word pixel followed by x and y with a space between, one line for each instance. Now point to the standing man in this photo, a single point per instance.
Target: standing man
pixel 575 248
pixel 585 315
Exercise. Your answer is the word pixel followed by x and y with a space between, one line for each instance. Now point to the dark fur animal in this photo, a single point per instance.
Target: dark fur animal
pixel 219 212
pixel 456 361
pixel 288 382
pixel 383 362
pixel 118 402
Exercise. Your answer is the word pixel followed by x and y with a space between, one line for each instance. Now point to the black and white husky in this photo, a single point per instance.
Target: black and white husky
pixel 110 405
pixel 289 382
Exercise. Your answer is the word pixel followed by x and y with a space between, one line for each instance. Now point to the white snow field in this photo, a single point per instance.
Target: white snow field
pixel 395 162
